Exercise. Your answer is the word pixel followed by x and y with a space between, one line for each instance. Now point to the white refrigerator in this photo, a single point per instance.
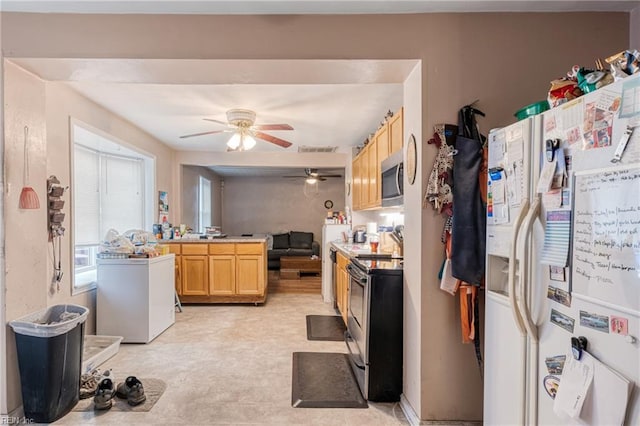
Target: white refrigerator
pixel 563 261
pixel 330 232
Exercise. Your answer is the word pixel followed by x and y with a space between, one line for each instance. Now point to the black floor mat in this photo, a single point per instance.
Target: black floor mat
pixel 325 327
pixel 324 380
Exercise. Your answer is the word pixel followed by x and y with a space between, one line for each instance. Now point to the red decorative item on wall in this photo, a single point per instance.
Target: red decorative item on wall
pixel 28 196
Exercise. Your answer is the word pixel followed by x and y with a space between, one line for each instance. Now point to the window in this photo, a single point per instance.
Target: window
pixel 204 203
pixel 110 191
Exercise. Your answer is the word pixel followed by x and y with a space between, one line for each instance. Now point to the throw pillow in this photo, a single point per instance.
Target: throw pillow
pixel 301 240
pixel 281 241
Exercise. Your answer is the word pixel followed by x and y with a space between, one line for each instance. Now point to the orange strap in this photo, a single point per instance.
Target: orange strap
pixel 467 306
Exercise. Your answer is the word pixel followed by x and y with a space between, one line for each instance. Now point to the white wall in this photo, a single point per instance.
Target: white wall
pixel 26 237
pixel 189 195
pixel 46 107
pixel 274 204
pixel 412 384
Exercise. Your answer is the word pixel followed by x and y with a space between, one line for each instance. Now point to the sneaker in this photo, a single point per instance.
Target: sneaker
pixel 132 390
pixel 104 395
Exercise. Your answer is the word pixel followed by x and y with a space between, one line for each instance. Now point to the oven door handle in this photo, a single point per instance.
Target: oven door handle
pixel 356 274
pixel 347 338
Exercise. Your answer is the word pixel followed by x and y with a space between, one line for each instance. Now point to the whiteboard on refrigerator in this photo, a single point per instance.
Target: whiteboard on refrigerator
pixel 606 236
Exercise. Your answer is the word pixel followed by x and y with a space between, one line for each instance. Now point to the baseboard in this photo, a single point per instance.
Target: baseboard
pixel 407 409
pixel 16 416
pixel 414 419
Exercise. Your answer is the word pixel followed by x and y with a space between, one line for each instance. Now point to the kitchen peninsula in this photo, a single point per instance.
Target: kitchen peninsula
pixel 221 270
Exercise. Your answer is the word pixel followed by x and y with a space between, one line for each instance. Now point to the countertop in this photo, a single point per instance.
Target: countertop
pixel 229 239
pixel 354 249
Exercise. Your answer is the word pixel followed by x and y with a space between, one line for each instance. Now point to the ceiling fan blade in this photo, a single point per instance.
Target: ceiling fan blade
pixel 216 121
pixel 331 176
pixel 298 177
pixel 202 134
pixel 273 139
pixel 272 127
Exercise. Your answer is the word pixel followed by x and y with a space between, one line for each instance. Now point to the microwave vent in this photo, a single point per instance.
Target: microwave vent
pixel 305 148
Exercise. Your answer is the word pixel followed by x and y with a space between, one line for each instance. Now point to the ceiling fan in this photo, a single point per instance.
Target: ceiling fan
pixel 240 122
pixel 312 176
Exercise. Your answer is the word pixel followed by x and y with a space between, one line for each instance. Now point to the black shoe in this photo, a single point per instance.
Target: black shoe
pixel 104 395
pixel 132 390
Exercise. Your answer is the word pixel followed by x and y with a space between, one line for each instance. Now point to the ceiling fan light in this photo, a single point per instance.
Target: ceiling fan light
pixel 311 180
pixel 234 141
pixel 248 142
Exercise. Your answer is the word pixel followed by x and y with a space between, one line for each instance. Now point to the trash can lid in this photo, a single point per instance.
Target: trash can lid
pixel 52 321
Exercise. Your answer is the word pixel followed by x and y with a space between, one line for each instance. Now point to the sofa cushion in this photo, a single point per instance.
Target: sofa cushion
pixel 299 252
pixel 281 241
pixel 300 240
pixel 277 253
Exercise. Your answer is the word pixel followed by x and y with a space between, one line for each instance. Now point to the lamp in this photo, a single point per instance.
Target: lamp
pixel 311 180
pixel 241 141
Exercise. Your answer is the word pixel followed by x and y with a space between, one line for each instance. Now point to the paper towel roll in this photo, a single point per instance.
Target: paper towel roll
pixel 372 228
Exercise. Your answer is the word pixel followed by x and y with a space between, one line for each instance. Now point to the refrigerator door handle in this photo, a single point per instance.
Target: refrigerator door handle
pixel 523 305
pixel 512 268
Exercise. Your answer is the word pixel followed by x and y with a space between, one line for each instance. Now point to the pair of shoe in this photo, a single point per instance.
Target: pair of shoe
pixel 131 390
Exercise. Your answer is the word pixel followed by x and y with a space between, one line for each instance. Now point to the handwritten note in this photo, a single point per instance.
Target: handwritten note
pixel 607 236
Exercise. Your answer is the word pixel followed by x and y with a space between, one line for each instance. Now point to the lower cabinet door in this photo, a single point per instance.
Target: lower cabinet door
pixel 222 275
pixel 250 274
pixel 195 275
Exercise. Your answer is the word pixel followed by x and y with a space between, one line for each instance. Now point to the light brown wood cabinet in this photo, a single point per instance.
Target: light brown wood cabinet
pixel 396 131
pixel 366 166
pixel 342 285
pixel 175 249
pixel 222 272
pixel 356 182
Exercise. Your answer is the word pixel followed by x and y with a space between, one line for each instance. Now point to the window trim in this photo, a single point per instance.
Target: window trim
pixel 149 188
pixel 201 179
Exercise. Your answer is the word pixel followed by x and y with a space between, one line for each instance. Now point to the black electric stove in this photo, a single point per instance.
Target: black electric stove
pixel 379 266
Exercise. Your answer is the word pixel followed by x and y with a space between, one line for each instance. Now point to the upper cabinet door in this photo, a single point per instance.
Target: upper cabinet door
pixel 396 131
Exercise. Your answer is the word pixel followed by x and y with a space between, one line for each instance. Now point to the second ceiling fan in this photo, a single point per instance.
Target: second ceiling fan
pixel 312 175
pixel 241 123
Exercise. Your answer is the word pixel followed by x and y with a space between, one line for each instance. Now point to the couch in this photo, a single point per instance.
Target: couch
pixel 292 243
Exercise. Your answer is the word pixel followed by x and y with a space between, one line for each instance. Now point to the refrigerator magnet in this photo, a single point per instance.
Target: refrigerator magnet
pixel 562 320
pixel 551 384
pixel 619 325
pixel 555 364
pixel 595 321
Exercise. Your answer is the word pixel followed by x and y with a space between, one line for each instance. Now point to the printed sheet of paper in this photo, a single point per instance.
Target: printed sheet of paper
pixel 557 236
pixel 577 377
pixel 630 105
pixel 496 150
pixel 546 176
pixel 606 401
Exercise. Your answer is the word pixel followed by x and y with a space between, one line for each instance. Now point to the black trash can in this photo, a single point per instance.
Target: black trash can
pixel 49 345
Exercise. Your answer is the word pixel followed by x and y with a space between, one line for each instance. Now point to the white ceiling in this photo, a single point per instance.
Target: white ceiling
pixel 335 103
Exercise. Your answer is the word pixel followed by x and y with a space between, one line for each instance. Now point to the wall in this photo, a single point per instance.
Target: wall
pixel 189 197
pixel 274 204
pixel 505 60
pixel 634 29
pixel 26 239
pixel 46 107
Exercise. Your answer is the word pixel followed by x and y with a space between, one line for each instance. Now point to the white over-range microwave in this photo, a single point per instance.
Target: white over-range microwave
pixel 391 180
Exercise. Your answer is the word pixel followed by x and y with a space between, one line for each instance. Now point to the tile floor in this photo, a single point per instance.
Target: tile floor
pixel 232 365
